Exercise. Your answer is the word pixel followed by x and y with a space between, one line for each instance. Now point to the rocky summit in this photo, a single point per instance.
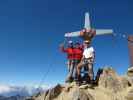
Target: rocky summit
pixel 111 86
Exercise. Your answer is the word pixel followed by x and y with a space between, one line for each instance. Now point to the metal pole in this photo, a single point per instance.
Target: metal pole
pixel 130 46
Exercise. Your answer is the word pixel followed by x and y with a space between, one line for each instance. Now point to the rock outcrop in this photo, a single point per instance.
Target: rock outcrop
pixel 130 74
pixel 110 87
pixel 110 80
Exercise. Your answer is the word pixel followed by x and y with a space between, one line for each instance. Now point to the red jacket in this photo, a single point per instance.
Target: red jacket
pixel 78 53
pixel 69 51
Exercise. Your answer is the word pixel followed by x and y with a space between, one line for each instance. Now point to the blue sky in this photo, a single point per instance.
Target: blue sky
pixel 31 31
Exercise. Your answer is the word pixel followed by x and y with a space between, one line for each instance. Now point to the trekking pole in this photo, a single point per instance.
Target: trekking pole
pixel 44 76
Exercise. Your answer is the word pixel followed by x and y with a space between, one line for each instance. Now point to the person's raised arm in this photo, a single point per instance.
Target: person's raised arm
pixel 62 48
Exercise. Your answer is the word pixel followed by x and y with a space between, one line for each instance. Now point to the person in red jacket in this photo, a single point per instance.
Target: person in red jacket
pixel 78 52
pixel 69 50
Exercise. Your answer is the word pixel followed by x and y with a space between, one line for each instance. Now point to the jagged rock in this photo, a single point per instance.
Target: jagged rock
pixel 129 95
pixel 54 92
pixel 130 75
pixel 42 96
pixel 69 86
pixel 79 94
pixel 124 81
pixel 110 87
pixel 130 79
pixel 110 80
pixel 130 72
pixel 84 86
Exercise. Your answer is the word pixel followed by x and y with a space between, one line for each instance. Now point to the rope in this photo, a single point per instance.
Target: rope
pixel 123 35
pixel 47 72
pixel 44 76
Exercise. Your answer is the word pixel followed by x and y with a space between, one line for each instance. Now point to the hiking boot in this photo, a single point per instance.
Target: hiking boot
pixel 85 79
pixel 78 83
pixel 78 80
